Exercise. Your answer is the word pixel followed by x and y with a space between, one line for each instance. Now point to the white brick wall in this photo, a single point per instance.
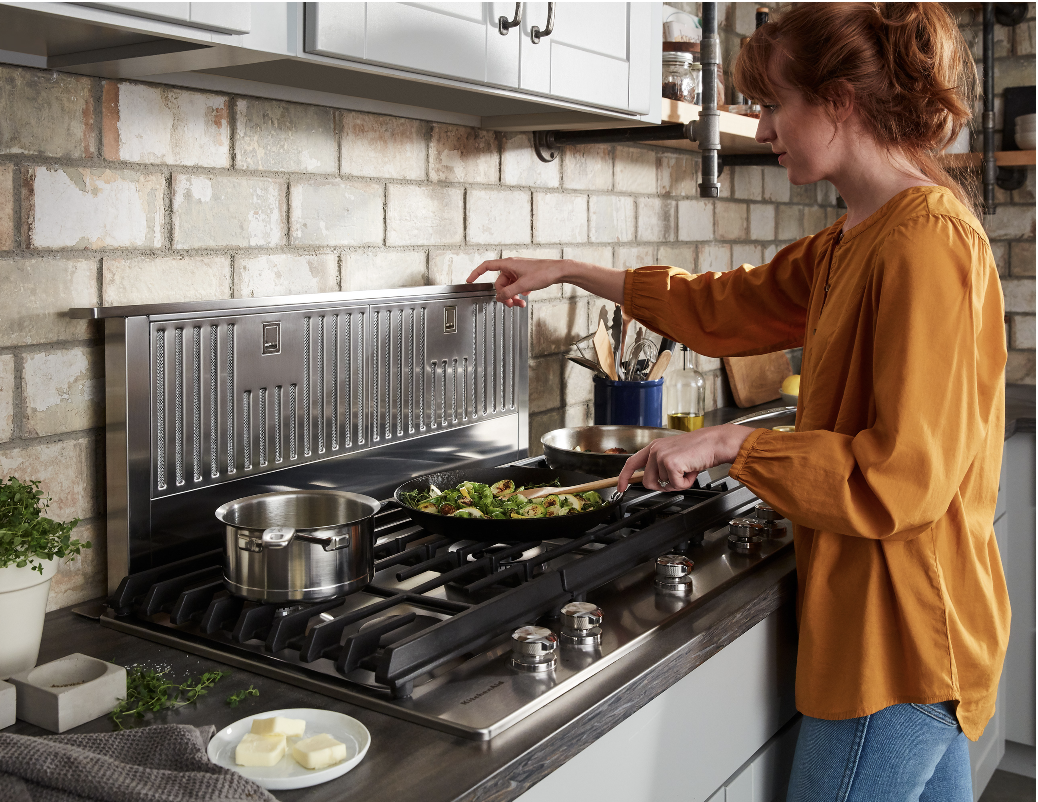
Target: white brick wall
pixel 383 270
pixel 272 135
pixel 6 397
pixel 63 390
pixel 227 212
pixel 559 217
pixel 383 147
pixel 149 280
pixel 424 215
pixel 497 216
pixel 6 207
pixel 285 274
pixel 334 212
pixel 611 218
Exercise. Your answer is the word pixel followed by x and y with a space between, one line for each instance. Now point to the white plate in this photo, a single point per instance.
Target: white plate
pixel 286 773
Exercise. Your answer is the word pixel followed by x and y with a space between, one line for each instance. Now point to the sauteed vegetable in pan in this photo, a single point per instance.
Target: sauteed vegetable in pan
pixel 501 500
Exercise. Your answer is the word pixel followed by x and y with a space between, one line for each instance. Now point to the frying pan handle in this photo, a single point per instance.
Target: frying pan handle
pixel 277 537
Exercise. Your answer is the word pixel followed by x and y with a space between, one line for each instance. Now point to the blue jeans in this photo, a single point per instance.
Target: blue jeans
pixel 902 753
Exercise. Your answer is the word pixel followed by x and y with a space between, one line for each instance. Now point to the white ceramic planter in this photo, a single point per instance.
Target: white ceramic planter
pixel 23 603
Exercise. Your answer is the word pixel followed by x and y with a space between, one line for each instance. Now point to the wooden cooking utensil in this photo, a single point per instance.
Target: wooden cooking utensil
pixel 756 379
pixel 661 365
pixel 538 492
pixel 625 326
pixel 604 351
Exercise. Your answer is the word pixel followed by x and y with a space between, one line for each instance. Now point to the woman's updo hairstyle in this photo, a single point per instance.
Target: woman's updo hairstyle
pixel 913 79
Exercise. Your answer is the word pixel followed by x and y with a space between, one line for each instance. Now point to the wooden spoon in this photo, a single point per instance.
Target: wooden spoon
pixel 661 365
pixel 604 351
pixel 538 492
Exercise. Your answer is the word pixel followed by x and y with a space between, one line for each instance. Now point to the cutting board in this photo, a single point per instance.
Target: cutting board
pixel 756 379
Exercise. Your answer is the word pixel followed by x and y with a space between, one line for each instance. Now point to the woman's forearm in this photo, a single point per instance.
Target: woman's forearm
pixel 601 281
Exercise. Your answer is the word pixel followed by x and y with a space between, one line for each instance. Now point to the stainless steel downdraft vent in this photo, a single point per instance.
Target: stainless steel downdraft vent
pixel 244 394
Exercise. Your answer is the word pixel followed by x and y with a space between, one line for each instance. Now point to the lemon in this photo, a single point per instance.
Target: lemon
pixel 791 384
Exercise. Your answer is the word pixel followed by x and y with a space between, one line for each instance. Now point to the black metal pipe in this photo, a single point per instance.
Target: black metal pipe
pixel 990 168
pixel 610 136
pixel 709 135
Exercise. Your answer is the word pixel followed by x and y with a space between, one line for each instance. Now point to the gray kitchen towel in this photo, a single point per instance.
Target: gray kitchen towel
pixel 166 763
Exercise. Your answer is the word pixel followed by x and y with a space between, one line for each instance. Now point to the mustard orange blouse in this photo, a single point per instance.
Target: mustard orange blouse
pixel 891 476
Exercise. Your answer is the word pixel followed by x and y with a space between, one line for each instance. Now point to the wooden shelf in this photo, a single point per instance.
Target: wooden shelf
pixel 1003 158
pixel 737 131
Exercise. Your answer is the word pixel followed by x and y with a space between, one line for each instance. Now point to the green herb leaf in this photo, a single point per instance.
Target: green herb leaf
pixel 238 697
pixel 149 691
pixel 26 536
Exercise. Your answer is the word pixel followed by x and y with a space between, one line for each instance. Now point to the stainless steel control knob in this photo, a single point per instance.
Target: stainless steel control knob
pixel 674 573
pixel 581 624
pixel 766 512
pixel 746 535
pixel 534 649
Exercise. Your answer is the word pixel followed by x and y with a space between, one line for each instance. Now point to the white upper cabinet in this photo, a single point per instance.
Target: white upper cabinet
pixel 597 54
pixel 221 17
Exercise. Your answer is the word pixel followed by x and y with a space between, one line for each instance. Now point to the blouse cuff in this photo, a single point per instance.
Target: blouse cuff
pixel 749 445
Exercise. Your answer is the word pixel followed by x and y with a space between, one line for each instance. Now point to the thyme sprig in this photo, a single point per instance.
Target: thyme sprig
pixel 238 697
pixel 26 536
pixel 150 690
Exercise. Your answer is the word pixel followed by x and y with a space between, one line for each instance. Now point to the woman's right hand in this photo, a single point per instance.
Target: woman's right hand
pixel 520 276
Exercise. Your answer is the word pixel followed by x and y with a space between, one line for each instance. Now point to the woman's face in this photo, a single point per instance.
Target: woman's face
pixel 801 133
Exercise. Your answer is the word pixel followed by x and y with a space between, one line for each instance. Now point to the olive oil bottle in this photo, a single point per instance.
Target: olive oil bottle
pixel 684 396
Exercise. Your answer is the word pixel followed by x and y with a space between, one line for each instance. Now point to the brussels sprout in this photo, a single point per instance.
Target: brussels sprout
pixel 569 500
pixel 447 508
pixel 533 511
pixel 549 501
pixel 503 488
pixel 428 506
pixel 468 512
pixel 591 497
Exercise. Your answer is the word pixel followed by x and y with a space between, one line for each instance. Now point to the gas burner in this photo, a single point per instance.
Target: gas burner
pixel 769 517
pixel 581 624
pixel 673 573
pixel 534 649
pixel 746 535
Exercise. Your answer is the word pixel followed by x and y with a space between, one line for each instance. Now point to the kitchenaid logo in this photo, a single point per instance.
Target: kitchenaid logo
pixel 483 693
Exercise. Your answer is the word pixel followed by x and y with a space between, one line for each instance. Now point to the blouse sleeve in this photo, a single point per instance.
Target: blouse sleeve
pixel 939 353
pixel 749 310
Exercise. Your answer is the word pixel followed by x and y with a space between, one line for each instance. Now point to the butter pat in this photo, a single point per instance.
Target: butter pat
pixel 260 750
pixel 288 727
pixel 318 752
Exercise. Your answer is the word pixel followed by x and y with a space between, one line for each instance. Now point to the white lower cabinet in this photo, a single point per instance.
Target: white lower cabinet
pixel 691 739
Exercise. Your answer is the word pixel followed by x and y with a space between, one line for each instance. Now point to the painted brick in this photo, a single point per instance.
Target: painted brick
pixel 1020 367
pixel 452 267
pixel 715 258
pixel 63 390
pixel 587 167
pixel 730 220
pixel 84 577
pixel 545 384
pixel 383 147
pixel 696 220
pixel 805 193
pixel 634 170
pixel 656 220
pixel 75 207
pixel 814 220
pixel 1000 253
pixel 1026 193
pixel 705 364
pixel 611 218
pixel 677 175
pixel 541 424
pixel 424 215
pixel 744 254
pixel 776 184
pixel 601 255
pixel 1014 71
pixel 160 280
pixel 285 274
pixel 470 155
pixel 227 212
pixel 1023 39
pixel 36 298
pixel 1019 295
pixel 521 167
pixel 770 251
pixel 832 214
pixel 680 255
pixel 6 207
pixel 66 470
pixel 46 113
pixel 747 183
pixel 1011 222
pixel 163 125
pixel 577 415
pixel 576 384
pixel 631 257
pixel 495 216
pixel 559 217
pixel 762 221
pixel 555 326
pixel 272 135
pixel 1023 332
pixel 333 212
pixel 826 193
pixel 1022 258
pixel 6 397
pixel 383 270
pixel 551 293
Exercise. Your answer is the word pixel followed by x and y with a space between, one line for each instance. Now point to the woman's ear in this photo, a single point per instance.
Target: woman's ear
pixel 841 96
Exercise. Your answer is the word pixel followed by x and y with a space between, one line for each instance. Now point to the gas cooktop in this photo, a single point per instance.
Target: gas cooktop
pixel 463 636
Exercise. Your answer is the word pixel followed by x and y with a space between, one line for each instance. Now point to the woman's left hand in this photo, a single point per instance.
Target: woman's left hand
pixel 673 463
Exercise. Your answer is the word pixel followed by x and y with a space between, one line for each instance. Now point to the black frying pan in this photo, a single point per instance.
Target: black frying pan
pixel 505 531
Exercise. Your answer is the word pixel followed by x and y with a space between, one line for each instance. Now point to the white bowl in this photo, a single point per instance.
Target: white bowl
pixel 1025 141
pixel 1026 119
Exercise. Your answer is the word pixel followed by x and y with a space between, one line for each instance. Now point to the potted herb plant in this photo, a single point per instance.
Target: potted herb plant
pixel 30 547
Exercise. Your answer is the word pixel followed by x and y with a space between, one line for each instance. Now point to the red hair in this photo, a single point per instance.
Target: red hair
pixel 911 73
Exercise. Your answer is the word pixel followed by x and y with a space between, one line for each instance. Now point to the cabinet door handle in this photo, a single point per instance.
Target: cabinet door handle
pixel 536 33
pixel 503 24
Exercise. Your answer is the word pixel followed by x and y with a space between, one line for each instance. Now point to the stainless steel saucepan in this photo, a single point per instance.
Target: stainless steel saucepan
pixel 299 545
pixel 586 448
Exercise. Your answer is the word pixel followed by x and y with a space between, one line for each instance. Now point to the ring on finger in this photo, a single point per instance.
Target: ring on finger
pixel 662 482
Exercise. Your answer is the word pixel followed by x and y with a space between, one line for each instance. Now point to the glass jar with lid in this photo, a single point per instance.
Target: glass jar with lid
pixel 684 396
pixel 682 77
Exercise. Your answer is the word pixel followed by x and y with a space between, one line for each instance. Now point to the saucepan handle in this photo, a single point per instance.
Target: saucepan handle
pixel 277 537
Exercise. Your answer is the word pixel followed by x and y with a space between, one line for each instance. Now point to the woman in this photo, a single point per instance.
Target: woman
pixel 892 474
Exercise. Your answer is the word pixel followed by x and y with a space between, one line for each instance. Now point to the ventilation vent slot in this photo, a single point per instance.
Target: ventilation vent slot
pixel 196 403
pixel 229 345
pixel 246 427
pixel 160 409
pixel 214 405
pixel 335 382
